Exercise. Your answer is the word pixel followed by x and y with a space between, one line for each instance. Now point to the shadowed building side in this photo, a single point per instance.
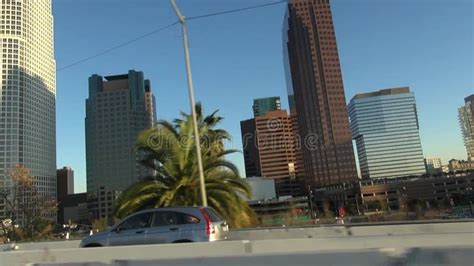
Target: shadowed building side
pixel 28 94
pixel 117 110
pixel 251 157
pixel 466 121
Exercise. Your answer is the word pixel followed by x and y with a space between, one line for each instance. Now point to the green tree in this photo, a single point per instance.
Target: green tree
pixel 169 150
pixel 26 208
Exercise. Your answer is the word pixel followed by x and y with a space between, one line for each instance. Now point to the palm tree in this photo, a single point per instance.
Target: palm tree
pixel 168 149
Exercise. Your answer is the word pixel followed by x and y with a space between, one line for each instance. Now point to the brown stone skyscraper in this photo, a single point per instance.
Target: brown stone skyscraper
pixel 316 93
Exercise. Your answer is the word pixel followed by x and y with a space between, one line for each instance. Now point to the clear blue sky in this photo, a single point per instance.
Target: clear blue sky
pixel 424 44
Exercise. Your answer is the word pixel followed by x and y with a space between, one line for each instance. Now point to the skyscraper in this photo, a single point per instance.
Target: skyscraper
pixel 466 120
pixel 263 105
pixel 65 185
pixel 385 127
pixel 268 144
pixel 117 109
pixel 316 93
pixel 28 93
pixel 276 149
pixel 248 130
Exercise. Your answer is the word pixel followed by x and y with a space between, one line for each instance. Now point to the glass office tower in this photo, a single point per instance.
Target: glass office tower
pixel 117 110
pixel 385 127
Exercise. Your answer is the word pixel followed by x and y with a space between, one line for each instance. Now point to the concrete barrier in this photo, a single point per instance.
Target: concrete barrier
pixel 109 254
pixel 360 258
pixel 391 245
pixel 419 256
pixel 430 256
pixel 394 238
pixel 42 245
pixel 351 230
pixel 299 232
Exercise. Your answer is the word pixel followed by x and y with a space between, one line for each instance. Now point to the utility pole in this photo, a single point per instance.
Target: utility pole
pixel 191 100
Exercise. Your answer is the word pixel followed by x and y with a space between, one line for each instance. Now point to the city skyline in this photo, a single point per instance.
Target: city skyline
pixel 168 76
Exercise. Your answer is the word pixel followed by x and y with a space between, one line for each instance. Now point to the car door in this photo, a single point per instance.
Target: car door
pixel 132 231
pixel 188 227
pixel 165 228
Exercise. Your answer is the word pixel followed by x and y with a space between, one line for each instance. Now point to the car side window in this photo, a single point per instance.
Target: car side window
pixel 165 219
pixel 142 220
pixel 189 219
pixel 173 218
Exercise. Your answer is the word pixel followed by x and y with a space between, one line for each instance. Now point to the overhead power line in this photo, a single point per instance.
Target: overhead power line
pixel 236 10
pixel 158 30
pixel 118 46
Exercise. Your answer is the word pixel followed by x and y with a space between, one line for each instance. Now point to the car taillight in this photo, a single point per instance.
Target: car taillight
pixel 210 229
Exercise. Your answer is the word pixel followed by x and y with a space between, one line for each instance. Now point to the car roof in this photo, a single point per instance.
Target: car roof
pixel 169 208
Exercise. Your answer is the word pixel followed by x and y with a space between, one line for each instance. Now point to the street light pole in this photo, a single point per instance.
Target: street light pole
pixel 191 100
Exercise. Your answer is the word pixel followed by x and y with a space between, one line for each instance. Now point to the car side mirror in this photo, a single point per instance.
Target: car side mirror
pixel 117 230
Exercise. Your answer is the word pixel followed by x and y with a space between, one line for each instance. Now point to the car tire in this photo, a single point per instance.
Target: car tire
pixel 183 241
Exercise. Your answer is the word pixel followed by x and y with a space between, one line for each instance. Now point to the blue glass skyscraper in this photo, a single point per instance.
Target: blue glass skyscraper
pixel 385 127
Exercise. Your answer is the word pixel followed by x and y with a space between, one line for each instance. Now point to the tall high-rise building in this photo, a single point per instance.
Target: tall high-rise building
pixel 263 105
pixel 466 120
pixel 28 93
pixel 248 130
pixel 276 150
pixel 269 147
pixel 65 186
pixel 385 127
pixel 316 93
pixel 117 109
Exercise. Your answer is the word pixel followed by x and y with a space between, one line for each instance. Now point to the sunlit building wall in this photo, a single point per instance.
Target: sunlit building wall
pixel 385 127
pixel 28 93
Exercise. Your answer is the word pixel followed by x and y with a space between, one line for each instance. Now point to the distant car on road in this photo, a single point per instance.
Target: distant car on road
pixel 163 225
